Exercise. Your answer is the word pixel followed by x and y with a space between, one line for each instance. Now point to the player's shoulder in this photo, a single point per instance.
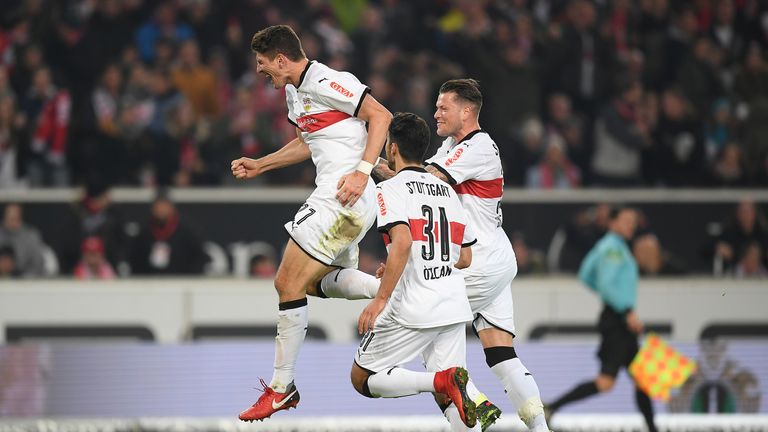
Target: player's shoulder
pixel 323 78
pixel 479 139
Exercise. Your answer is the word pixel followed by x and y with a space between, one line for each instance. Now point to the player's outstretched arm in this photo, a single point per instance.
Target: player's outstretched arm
pixel 352 185
pixel 292 153
pixel 399 251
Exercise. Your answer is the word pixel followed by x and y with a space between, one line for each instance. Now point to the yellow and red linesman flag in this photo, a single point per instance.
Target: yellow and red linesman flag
pixel 658 368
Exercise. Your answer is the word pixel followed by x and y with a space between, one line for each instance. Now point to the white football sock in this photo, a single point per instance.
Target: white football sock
pixel 350 284
pixel 291 329
pixel 452 414
pixel 523 392
pixel 472 391
pixel 399 382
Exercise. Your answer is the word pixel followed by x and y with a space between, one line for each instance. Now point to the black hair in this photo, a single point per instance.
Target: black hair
pixel 466 89
pixel 411 134
pixel 616 211
pixel 278 39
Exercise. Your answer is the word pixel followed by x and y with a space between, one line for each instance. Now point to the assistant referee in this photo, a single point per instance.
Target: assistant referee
pixel 610 270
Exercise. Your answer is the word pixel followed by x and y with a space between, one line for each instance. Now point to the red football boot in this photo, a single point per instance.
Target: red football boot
pixel 453 382
pixel 271 402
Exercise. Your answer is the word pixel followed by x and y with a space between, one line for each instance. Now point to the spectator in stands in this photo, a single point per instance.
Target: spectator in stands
pixel 563 120
pixel 164 24
pixel 677 46
pixel 581 233
pixel 48 110
pixel 196 81
pixel 30 60
pixel 720 130
pixel 5 83
pixel 25 240
pixel 93 264
pixel 207 23
pixel 13 141
pixel 92 216
pixel 677 155
pixel 726 34
pixel 652 260
pixel 525 152
pixel 581 62
pixel 621 134
pixel 729 167
pixel 748 227
pixel 751 87
pixel 167 245
pixel 197 155
pixel 554 171
pixel 529 260
pixel 8 268
pixel 751 263
pixel 104 153
pixel 698 75
pixel 164 149
pixel 263 266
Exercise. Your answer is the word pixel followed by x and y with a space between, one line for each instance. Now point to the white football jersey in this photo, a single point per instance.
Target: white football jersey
pixel 324 107
pixel 473 168
pixel 431 291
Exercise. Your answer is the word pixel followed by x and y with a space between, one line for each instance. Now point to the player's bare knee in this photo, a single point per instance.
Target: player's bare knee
pixel 282 282
pixel 359 378
pixel 604 383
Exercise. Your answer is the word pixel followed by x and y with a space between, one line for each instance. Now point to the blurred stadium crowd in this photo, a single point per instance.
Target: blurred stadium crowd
pixel 621 93
pixel 578 92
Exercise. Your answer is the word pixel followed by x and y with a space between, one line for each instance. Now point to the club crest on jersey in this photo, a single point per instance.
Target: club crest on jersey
pixel 336 86
pixel 451 160
pixel 382 207
pixel 307 101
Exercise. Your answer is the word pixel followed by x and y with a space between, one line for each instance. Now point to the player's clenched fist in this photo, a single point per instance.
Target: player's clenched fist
pixel 245 168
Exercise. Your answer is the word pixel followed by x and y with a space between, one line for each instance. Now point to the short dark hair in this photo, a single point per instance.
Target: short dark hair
pixel 278 39
pixel 617 209
pixel 466 89
pixel 411 134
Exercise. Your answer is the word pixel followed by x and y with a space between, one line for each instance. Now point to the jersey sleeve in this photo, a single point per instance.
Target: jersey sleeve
pixel 343 92
pixel 463 162
pixel 391 208
pixel 469 236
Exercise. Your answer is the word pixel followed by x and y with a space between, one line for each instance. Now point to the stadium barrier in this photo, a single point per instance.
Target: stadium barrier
pixel 177 310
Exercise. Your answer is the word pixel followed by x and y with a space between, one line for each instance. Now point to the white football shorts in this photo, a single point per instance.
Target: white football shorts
pixel 389 344
pixel 329 232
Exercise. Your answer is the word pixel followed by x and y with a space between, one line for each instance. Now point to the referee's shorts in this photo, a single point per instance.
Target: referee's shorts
pixel 618 345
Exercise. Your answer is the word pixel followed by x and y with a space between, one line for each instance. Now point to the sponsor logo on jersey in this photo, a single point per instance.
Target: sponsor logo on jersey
pixel 382 207
pixel 336 86
pixel 451 160
pixel 315 122
pixel 306 122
